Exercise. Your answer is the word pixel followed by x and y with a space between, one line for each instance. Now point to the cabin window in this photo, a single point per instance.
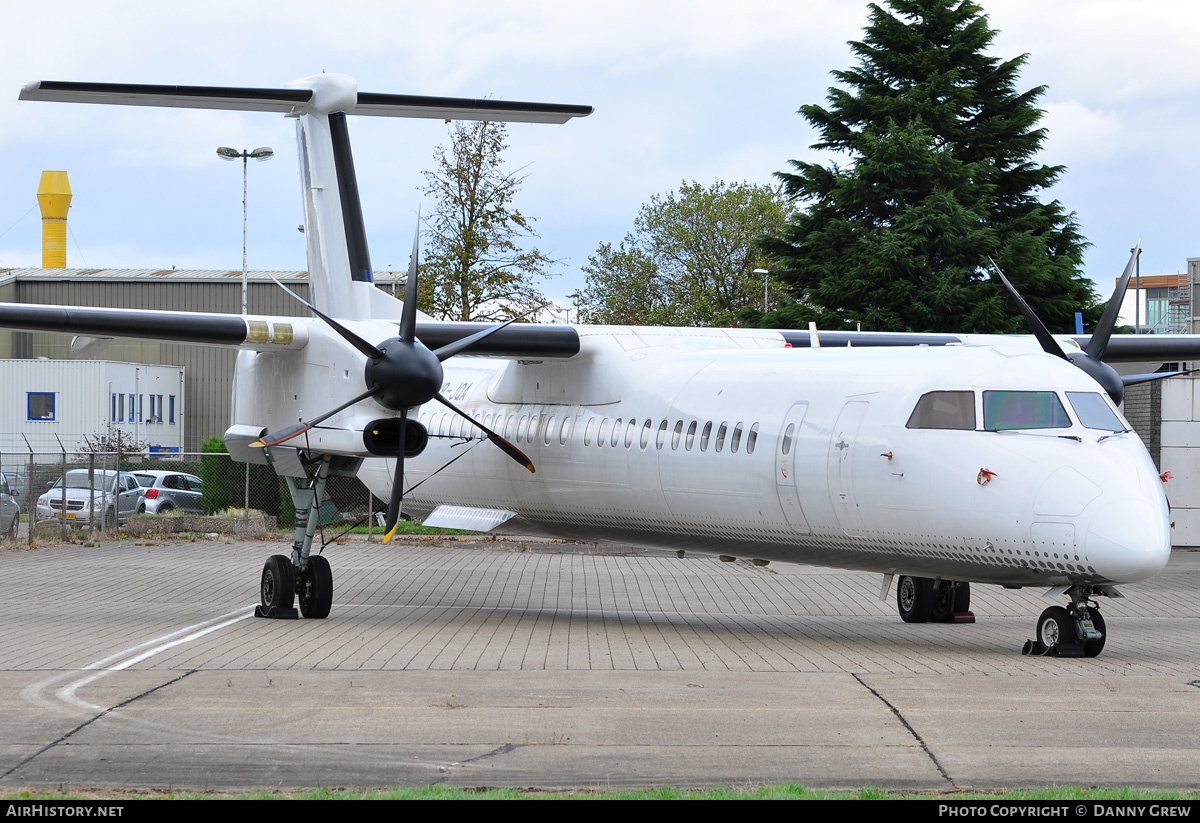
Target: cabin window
pixel 1094 412
pixel 40 405
pixel 527 428
pixel 662 435
pixel 1004 410
pixel 691 436
pixel 736 440
pixel 787 438
pixel 548 434
pixel 646 433
pixel 587 431
pixel 603 436
pixel 721 435
pixel 704 435
pixel 510 426
pixel 944 410
pixel 616 434
pixel 751 439
pixel 675 434
pixel 565 433
pixel 629 430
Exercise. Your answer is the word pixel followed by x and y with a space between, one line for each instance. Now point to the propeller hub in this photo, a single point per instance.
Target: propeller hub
pixel 408 374
pixel 1102 373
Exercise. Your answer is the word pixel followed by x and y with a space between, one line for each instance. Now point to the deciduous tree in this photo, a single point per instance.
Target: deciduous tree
pixel 475 267
pixel 689 261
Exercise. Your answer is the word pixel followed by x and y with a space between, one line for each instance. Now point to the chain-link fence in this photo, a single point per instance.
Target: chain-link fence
pixel 64 493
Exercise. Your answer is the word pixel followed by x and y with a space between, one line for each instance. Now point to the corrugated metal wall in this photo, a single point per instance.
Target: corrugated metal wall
pixel 209 369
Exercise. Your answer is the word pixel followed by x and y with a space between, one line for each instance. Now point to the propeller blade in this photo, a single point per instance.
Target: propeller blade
pixel 408 318
pixel 1134 379
pixel 450 349
pixel 1049 344
pixel 283 435
pixel 1108 321
pixel 369 349
pixel 505 446
pixel 393 514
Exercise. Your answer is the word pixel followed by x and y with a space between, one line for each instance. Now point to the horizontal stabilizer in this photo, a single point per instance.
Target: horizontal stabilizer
pixel 191 97
pixel 297 100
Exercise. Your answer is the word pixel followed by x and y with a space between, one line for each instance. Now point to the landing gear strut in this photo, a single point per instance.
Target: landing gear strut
pixel 304 573
pixel 922 599
pixel 1077 631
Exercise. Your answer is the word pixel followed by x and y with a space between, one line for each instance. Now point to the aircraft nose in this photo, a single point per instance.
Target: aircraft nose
pixel 1129 540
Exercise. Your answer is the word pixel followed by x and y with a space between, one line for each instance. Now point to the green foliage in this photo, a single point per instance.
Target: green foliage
pixel 941 173
pixel 216 476
pixel 475 268
pixel 689 261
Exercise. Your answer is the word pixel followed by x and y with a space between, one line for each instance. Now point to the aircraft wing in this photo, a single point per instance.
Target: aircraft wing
pixel 265 333
pixel 1122 348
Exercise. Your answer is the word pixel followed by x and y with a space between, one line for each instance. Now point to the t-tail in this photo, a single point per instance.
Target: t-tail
pixel 339 264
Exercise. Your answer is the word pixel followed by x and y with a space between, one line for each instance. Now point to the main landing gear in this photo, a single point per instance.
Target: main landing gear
pixel 1077 631
pixel 303 573
pixel 923 599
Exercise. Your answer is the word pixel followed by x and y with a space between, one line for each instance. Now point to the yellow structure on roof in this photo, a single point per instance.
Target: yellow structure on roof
pixel 54 198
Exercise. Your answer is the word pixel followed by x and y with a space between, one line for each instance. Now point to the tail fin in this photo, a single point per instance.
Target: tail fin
pixel 339 265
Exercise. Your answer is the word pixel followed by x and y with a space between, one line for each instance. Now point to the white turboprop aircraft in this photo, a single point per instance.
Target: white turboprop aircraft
pixel 943 459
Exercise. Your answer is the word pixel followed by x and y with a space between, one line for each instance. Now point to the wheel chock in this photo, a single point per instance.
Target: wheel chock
pixel 277 614
pixel 963 617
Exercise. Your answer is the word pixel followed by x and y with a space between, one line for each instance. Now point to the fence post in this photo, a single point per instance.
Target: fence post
pixel 32 516
pixel 370 512
pixel 246 502
pixel 63 514
pixel 91 485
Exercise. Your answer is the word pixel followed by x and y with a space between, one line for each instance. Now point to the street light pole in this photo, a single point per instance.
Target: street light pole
pixel 260 154
pixel 766 276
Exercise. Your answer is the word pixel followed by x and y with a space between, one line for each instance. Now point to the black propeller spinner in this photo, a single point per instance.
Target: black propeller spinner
pixel 400 373
pixel 1091 359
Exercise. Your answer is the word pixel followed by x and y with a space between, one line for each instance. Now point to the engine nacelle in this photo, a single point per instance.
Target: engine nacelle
pixel 382 437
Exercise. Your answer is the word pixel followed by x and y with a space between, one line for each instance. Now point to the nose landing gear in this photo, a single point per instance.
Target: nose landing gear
pixel 1078 631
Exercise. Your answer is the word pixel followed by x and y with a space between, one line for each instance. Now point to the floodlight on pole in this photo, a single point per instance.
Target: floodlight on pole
pixel 766 276
pixel 260 154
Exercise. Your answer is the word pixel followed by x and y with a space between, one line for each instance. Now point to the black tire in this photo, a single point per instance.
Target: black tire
pixel 141 509
pixel 165 508
pixel 1055 626
pixel 278 588
pixel 110 520
pixel 12 529
pixel 950 598
pixel 1091 648
pixel 316 589
pixel 914 599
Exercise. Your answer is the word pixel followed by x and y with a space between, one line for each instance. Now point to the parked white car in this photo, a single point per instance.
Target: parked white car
pixel 112 499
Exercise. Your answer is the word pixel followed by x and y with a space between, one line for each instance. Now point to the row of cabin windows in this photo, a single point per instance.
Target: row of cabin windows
pixel 527 428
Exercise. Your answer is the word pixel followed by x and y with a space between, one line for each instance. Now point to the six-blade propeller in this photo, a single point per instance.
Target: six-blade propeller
pixel 401 373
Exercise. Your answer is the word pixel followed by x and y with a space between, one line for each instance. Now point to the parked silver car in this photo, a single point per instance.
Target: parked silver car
pixel 111 500
pixel 10 511
pixel 168 491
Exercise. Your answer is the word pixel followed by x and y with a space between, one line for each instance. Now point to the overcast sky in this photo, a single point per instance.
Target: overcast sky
pixel 682 91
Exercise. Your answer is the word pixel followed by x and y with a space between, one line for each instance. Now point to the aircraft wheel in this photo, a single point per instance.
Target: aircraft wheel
pixel 316 589
pixel 1091 648
pixel 1055 626
pixel 278 590
pixel 914 599
pixel 950 598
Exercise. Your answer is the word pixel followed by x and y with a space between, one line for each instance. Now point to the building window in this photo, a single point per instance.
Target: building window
pixel 41 405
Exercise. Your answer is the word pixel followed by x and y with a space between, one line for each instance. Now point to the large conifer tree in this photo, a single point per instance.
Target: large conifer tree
pixel 940 173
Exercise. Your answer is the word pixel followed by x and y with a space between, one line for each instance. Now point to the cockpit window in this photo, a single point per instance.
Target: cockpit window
pixel 944 410
pixel 1023 410
pixel 1093 412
